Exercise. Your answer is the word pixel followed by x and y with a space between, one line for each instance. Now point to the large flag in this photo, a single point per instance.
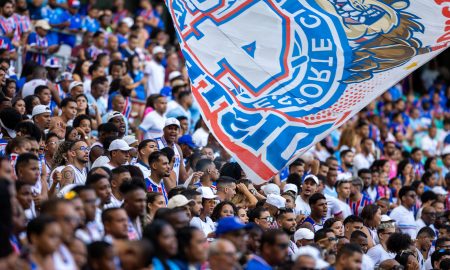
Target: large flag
pixel 273 77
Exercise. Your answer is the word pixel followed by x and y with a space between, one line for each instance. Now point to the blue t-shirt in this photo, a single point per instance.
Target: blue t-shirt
pixel 257 263
pixel 91 25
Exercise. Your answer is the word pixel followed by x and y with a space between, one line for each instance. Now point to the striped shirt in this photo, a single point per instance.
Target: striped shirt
pixel 153 187
pixel 357 206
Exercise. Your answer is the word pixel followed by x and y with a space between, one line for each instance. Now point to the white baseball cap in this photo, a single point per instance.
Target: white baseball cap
pixel 74 84
pixel 290 187
pixel 438 190
pixel 276 200
pixel 66 76
pixel 130 139
pixel 172 121
pixel 312 177
pixel 42 24
pixel 178 201
pixel 52 62
pixel 312 252
pixel 303 233
pixel 119 144
pixel 158 49
pixel 446 150
pixel 206 192
pixel 174 74
pixel 128 21
pixel 271 188
pixel 112 115
pixel 386 218
pixel 40 109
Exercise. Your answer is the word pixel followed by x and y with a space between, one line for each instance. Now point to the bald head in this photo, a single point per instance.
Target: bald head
pixel 388 264
pixel 219 246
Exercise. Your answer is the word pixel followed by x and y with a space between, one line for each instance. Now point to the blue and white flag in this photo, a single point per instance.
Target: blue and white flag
pixel 274 77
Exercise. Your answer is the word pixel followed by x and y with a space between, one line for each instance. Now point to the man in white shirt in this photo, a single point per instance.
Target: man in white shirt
pixel 204 222
pixel 153 124
pixel 430 143
pixel 364 159
pixel 39 77
pixel 427 218
pixel 119 151
pixel 309 187
pixel 343 190
pixel 403 214
pixel 155 71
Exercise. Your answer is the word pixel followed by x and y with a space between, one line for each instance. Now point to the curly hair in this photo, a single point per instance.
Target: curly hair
pixel 215 216
pixel 60 157
pixel 398 242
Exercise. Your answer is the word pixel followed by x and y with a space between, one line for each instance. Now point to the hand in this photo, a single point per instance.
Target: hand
pixel 37 200
pixel 300 219
pixel 81 133
pixel 196 176
pixel 57 176
pixel 242 188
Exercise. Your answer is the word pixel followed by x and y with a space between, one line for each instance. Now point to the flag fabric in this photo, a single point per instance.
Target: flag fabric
pixel 274 77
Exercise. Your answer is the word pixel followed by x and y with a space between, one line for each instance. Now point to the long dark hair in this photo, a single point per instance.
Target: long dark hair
pixel 215 216
pixel 152 233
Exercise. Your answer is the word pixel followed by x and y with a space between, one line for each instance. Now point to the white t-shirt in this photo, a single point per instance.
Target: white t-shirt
pixel 155 73
pixel 302 207
pixel 153 125
pixel 378 254
pixel 333 208
pixel 207 227
pixel 63 259
pixel 145 170
pixel 28 87
pixel 114 203
pixel 200 137
pixel 405 220
pixel 430 145
pixel 367 263
pixel 362 162
pixel 346 210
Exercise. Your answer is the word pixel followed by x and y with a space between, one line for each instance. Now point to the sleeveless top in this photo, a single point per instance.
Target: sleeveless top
pixel 176 165
pixel 79 175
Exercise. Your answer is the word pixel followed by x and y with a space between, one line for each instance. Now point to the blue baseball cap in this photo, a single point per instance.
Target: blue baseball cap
pixel 187 139
pixel 230 224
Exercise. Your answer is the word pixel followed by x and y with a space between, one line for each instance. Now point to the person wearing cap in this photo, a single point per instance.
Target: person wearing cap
pixel 180 201
pixel 119 121
pixel 357 200
pixel 153 124
pixel 39 44
pixel 234 230
pixel 273 251
pixel 379 252
pixel 169 139
pixel 41 116
pixel 187 145
pixel 303 237
pixel 77 158
pixel 160 169
pixel 133 143
pixel 52 65
pixel 63 85
pixel 274 203
pixel 204 222
pixel 271 188
pixel 75 89
pixel 119 151
pixel 309 187
pixel 155 71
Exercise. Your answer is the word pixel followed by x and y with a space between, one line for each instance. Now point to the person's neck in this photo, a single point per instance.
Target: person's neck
pixel 169 143
pixel 144 160
pixel 132 216
pixel 65 118
pixel 407 207
pixel 356 197
pixel 206 181
pixel 329 186
pixel 114 163
pixel 117 194
pixel 80 166
pixel 155 178
pixel 341 198
pixel 184 105
pixel 41 258
pixel 304 197
pixel 267 258
pixel 203 216
pixel 317 218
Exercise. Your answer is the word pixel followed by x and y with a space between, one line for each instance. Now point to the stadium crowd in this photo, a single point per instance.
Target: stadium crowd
pixel 107 164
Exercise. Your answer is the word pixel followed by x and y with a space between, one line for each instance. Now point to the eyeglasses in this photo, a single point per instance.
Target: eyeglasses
pixel 268 219
pixel 84 148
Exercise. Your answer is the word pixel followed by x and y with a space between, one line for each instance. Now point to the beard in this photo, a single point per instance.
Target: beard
pixel 289 232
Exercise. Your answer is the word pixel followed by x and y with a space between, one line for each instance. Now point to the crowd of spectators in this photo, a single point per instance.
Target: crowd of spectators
pixel 106 163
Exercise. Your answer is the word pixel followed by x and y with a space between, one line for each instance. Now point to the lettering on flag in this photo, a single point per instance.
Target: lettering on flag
pixel 273 77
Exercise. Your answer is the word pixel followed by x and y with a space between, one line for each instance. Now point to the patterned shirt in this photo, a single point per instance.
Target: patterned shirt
pixel 152 186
